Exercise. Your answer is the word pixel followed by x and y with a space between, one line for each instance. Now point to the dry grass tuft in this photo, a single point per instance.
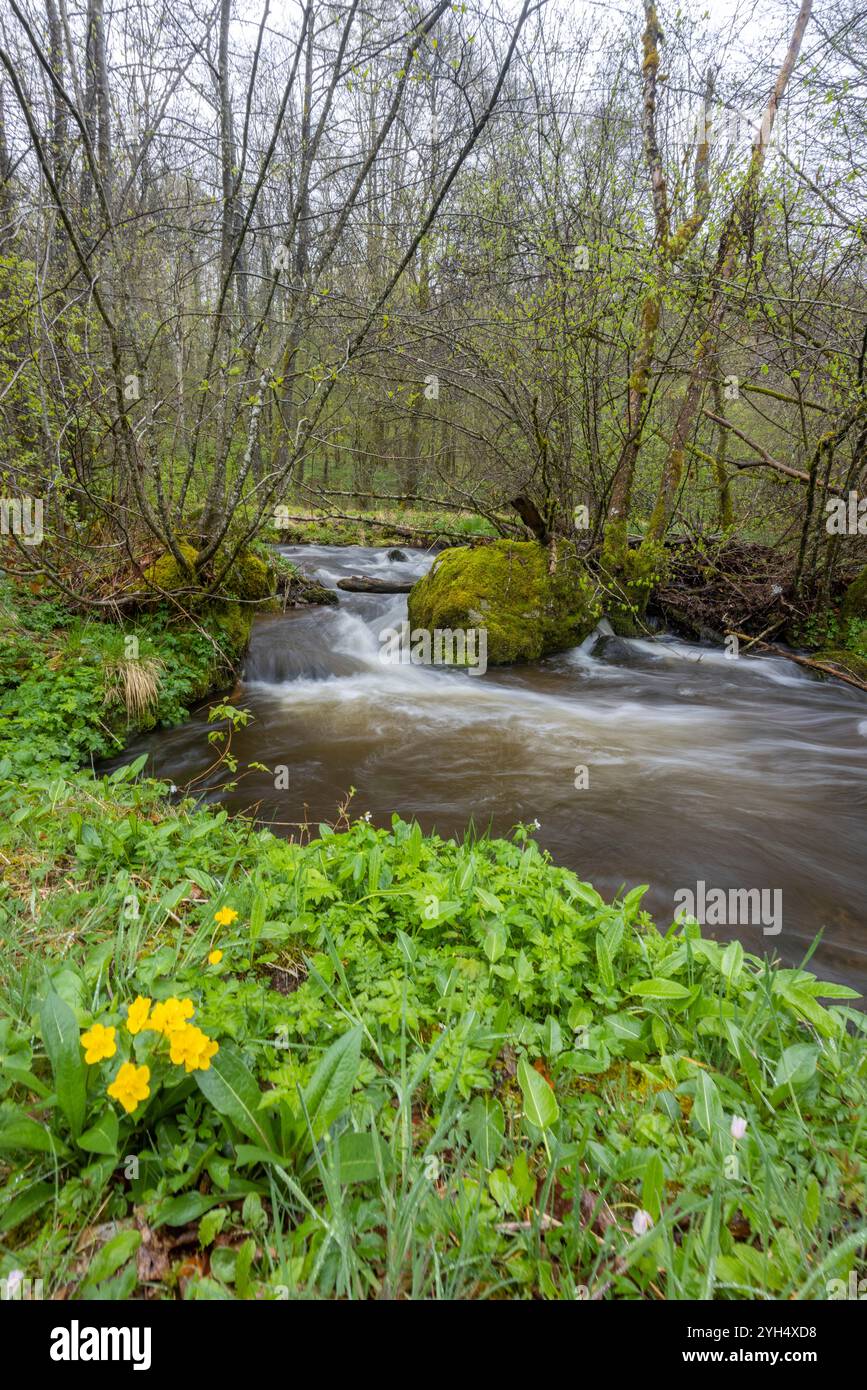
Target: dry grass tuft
pixel 134 683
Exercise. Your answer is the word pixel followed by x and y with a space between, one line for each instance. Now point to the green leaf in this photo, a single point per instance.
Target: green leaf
pixel 707 1106
pixel 233 1091
pixel 826 1023
pixel 732 961
pixel 188 1206
pixel 585 893
pixel 551 1040
pixel 495 942
pixel 653 1185
pixel 360 1156
pixel 26 1205
pixel 112 1255
pixel 797 1065
pixel 540 1103
pixel 211 1225
pixel 408 948
pixel 243 1266
pixel 257 918
pixel 327 1094
pixel 23 1132
pixel 503 1190
pixel 603 960
pixel 60 1035
pixel 660 989
pixel 101 1137
pixel 254 1153
pixel 487 1126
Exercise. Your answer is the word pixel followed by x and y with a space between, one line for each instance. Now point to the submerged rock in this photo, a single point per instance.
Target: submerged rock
pixel 532 600
pixel 395 555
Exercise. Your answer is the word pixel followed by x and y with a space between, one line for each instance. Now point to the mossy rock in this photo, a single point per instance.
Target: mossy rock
pixel 854 603
pixel 233 623
pixel 166 574
pixel 852 662
pixel 250 578
pixel 505 587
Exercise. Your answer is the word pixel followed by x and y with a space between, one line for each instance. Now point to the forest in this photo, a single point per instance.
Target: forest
pixel 433 571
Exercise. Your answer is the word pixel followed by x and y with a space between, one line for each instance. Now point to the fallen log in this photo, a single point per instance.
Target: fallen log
pixel 361 584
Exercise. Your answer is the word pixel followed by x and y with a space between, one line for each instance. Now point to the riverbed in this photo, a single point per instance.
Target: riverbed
pixel 654 760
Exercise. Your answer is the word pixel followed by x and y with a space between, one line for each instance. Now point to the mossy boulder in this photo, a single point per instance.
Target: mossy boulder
pixel 250 578
pixel 166 574
pixel 233 623
pixel 854 603
pixel 506 587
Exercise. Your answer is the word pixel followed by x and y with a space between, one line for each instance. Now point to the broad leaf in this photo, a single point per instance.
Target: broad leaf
pixel 233 1091
pixel 60 1035
pixel 327 1094
pixel 487 1128
pixel 540 1103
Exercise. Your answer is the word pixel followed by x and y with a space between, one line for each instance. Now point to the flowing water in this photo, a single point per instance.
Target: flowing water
pixel 743 773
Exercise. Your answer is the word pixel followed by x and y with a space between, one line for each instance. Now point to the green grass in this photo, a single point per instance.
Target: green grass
pixel 463 1073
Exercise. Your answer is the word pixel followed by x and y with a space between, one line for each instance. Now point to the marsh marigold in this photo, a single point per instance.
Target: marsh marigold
pixel 170 1015
pixel 98 1043
pixel 192 1049
pixel 137 1015
pixel 130 1086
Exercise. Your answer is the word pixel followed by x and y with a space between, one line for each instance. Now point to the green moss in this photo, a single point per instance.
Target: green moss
pixel 250 577
pixel 233 623
pixel 166 574
pixel 638 573
pixel 855 599
pixel 505 587
pixel 853 662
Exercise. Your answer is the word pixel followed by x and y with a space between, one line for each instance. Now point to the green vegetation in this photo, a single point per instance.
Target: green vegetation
pixel 443 1070
pixel 507 588
pixel 240 307
pixel 72 689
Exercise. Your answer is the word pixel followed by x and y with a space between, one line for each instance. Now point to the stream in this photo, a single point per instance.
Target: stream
pixel 746 773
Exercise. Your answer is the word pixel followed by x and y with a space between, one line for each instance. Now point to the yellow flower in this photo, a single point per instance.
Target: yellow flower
pixel 137 1015
pixel 171 1014
pixel 226 916
pixel 131 1086
pixel 215 957
pixel 193 1049
pixel 98 1042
